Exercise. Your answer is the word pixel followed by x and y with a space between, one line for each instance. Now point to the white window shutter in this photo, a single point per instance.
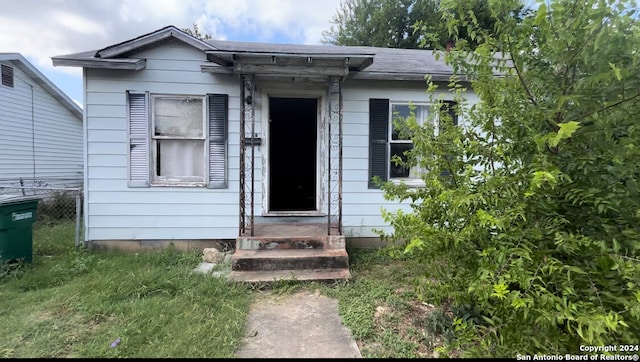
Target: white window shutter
pixel 218 130
pixel 138 112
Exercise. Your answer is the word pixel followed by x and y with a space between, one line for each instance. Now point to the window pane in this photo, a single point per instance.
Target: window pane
pixel 399 113
pixel 398 170
pixel 402 112
pixel 181 117
pixel 180 158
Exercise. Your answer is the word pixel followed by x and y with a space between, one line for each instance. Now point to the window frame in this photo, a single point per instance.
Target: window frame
pixel 157 180
pixel 415 180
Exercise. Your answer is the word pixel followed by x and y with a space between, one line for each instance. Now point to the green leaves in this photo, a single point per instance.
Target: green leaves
pixel 540 231
pixel 500 290
pixel 565 131
pixel 616 71
pixel 542 177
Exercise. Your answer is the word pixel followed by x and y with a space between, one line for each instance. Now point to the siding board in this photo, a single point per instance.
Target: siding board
pixel 39 137
pixel 181 209
pixel 160 233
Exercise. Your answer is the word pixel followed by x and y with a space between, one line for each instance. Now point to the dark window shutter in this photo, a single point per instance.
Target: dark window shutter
pixel 138 114
pixel 378 138
pixel 218 130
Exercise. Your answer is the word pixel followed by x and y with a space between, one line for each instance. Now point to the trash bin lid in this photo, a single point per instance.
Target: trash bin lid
pixel 16 198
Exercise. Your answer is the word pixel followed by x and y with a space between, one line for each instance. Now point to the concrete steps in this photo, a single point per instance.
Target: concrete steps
pixel 289 259
pixel 290 252
pixel 290 242
pixel 281 242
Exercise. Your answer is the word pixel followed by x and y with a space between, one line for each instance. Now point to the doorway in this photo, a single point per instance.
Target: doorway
pixel 293 154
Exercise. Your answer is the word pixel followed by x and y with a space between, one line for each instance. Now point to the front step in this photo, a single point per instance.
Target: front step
pixel 289 259
pixel 300 274
pixel 290 242
pixel 268 243
pixel 290 251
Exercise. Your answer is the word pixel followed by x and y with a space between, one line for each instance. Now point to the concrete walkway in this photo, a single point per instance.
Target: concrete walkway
pixel 300 325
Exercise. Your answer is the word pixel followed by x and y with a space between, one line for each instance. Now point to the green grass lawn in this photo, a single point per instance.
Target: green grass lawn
pixel 76 303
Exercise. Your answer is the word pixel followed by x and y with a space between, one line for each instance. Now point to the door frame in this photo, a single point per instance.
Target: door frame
pixel 319 95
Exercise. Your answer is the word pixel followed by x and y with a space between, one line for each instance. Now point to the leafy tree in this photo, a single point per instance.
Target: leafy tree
pixel 399 23
pixel 382 23
pixel 195 32
pixel 530 217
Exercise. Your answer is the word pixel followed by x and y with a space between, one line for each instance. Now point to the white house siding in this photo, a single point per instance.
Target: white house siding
pixel 113 210
pixel 40 139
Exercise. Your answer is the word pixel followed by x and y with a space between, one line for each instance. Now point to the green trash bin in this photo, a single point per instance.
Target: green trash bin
pixel 17 215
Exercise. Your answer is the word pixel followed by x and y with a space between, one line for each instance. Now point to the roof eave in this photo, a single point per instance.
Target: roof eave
pixel 121 64
pixel 387 76
pixel 227 57
pixel 436 77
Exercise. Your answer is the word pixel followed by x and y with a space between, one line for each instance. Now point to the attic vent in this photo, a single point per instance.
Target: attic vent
pixel 7 76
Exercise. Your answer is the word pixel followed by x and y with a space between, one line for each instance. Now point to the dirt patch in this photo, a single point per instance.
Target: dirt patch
pixel 416 322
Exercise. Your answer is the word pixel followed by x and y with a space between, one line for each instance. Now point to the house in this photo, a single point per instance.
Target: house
pixel 40 129
pixel 192 142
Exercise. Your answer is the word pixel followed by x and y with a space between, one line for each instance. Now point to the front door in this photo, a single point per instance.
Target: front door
pixel 292 154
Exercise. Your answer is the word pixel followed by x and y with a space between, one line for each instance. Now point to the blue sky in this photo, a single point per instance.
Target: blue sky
pixel 41 29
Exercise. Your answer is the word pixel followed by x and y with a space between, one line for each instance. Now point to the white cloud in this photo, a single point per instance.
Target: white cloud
pixel 301 21
pixel 78 24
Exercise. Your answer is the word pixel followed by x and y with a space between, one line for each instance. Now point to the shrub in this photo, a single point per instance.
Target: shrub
pixel 529 219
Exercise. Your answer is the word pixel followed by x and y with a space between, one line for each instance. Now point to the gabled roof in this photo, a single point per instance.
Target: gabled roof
pixel 24 65
pixel 145 40
pixel 363 62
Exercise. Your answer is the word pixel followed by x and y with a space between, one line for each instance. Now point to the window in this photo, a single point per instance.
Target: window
pixel 385 141
pixel 398 143
pixel 7 75
pixel 177 140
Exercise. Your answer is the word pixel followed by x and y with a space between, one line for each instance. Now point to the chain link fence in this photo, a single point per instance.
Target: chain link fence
pixel 57 201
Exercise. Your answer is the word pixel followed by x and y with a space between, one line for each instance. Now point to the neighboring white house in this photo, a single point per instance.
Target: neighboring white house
pixel 40 129
pixel 191 141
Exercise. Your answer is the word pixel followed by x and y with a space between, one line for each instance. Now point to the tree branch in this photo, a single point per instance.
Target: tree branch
pixel 493 137
pixel 591 36
pixel 584 115
pixel 595 288
pixel 520 77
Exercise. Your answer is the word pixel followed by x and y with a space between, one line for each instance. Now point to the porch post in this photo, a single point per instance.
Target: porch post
pixel 334 157
pixel 247 156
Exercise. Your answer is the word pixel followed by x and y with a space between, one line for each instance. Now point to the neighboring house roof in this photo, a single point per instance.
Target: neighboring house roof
pixel 24 65
pixel 364 62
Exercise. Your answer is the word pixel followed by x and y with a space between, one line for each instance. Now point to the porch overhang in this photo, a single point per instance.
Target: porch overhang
pixel 285 64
